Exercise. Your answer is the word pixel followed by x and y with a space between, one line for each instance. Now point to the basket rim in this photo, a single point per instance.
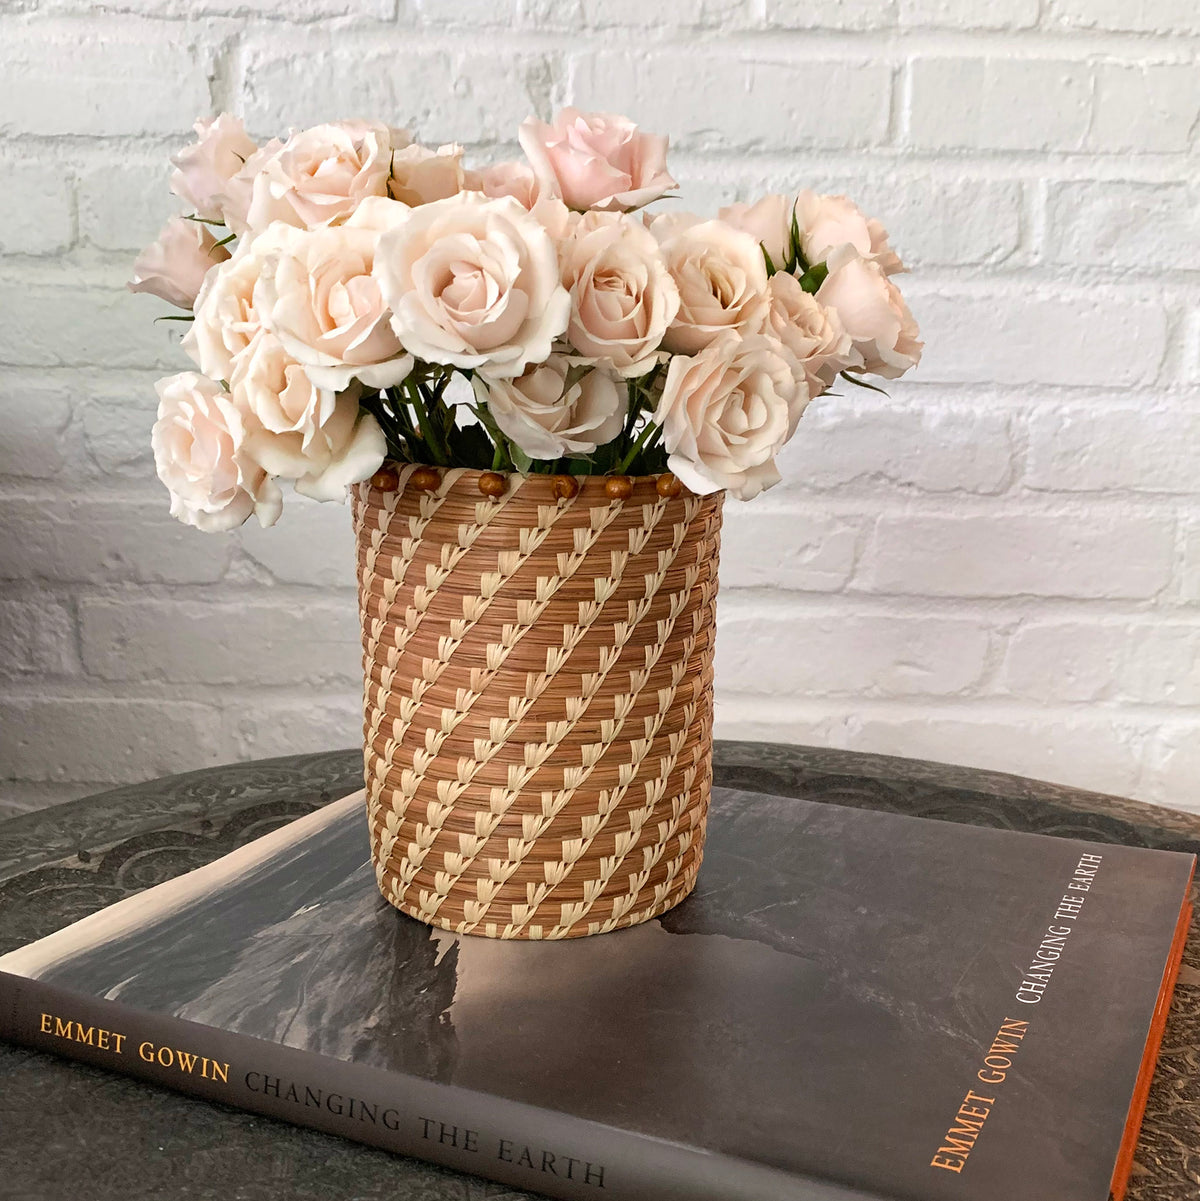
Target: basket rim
pixel 402 469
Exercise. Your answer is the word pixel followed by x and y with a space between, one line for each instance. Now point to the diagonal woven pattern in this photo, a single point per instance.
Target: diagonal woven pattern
pixel 537 698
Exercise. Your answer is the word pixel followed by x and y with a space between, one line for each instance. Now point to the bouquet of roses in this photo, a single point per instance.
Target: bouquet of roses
pixel 356 297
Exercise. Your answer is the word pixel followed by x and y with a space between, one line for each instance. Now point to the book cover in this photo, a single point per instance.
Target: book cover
pixel 852 1004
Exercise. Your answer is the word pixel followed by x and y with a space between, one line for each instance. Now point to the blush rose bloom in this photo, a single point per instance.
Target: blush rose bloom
pixel 555 408
pixel 174 265
pixel 812 333
pixel 873 313
pixel 226 321
pixel 768 221
pixel 200 454
pixel 420 175
pixel 515 179
pixel 726 413
pixel 473 282
pixel 317 177
pixel 622 295
pixel 203 169
pixel 296 430
pixel 316 293
pixel 827 222
pixel 721 277
pixel 234 198
pixel 597 160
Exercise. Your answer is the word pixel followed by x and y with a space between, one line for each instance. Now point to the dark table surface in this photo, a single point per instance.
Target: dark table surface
pixel 75 1132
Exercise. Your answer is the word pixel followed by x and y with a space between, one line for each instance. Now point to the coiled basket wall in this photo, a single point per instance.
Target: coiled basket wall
pixel 538 664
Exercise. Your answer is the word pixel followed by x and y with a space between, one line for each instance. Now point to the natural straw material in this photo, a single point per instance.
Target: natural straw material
pixel 538 696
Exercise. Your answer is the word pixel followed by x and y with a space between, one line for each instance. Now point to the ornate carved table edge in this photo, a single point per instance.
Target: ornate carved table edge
pixel 59 864
pixel 192 801
pixel 924 788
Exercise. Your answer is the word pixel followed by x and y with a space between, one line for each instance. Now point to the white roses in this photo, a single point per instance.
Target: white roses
pixel 199 450
pixel 873 313
pixel 721 276
pixel 473 282
pixel 727 412
pixel 316 293
pixel 203 169
pixel 622 295
pixel 811 332
pixel 597 161
pixel 828 222
pixel 369 271
pixel 555 409
pixel 226 321
pixel 316 177
pixel 301 431
pixel 175 265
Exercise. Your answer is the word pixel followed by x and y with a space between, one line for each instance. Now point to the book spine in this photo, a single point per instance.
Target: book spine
pixel 508 1141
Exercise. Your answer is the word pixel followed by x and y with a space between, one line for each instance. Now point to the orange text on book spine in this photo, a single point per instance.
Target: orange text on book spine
pixel 187 1062
pixel 76 1032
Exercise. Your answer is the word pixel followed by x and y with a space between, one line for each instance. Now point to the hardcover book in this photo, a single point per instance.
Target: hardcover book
pixel 851 1005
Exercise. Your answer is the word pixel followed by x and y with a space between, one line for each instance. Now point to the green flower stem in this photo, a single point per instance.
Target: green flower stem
pixel 648 437
pixel 437 453
pixel 396 429
pixel 502 458
pixel 639 393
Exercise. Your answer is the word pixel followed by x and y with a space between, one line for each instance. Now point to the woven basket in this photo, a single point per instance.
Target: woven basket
pixel 538 695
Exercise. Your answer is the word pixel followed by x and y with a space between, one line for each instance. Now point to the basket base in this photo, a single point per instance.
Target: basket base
pixel 538 933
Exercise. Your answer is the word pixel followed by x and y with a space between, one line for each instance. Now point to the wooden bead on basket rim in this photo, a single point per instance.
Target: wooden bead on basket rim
pixel 618 487
pixel 492 483
pixel 668 485
pixel 565 486
pixel 385 479
pixel 425 479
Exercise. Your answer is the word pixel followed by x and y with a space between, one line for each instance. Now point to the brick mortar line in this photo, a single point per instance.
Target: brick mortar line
pixel 803 41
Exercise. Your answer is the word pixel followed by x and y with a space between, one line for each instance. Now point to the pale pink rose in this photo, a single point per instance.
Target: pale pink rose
pixel 174 266
pixel 810 332
pixel 622 295
pixel 873 313
pixel 226 321
pixel 597 160
pixel 316 293
pixel 721 276
pixel 768 221
pixel 555 218
pixel 200 453
pixel 515 179
pixel 556 408
pixel 204 169
pixel 355 460
pixel 234 198
pixel 827 222
pixel 420 175
pixel 726 413
pixel 296 430
pixel 473 282
pixel 317 177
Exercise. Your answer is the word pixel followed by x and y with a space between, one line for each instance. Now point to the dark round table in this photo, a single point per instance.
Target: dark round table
pixel 68 1130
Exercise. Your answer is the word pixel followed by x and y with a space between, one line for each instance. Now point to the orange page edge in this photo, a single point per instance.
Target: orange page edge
pixel 1158 1025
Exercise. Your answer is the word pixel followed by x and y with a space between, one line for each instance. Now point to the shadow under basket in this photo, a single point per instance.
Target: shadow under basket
pixel 538 663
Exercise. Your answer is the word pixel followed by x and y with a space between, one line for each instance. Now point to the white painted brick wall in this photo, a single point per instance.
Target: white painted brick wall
pixel 998 565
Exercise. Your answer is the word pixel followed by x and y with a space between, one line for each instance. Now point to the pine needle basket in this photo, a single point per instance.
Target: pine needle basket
pixel 538 667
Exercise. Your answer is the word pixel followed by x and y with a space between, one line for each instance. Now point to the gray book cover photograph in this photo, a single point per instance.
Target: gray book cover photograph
pixel 851 1004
